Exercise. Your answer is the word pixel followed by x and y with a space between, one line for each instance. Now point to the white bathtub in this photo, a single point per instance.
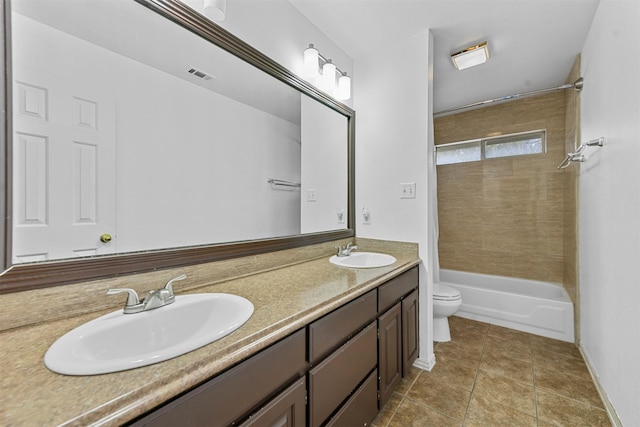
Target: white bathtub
pixel 526 305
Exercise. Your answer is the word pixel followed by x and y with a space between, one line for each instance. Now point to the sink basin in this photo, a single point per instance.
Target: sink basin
pixel 118 342
pixel 363 260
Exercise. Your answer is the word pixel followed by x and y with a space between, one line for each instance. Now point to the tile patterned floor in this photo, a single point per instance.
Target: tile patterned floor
pixel 493 376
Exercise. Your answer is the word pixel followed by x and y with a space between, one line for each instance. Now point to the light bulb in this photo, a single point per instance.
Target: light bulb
pixel 215 9
pixel 344 87
pixel 311 62
pixel 328 76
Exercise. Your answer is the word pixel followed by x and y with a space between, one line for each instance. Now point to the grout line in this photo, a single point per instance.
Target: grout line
pixel 475 378
pixel 404 396
pixel 535 390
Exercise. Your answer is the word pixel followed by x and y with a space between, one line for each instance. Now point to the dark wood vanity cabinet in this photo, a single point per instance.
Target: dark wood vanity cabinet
pixel 397 330
pixel 233 395
pixel 337 371
pixel 395 350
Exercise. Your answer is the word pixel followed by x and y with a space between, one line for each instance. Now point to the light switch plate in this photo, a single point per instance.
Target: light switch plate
pixel 311 195
pixel 408 190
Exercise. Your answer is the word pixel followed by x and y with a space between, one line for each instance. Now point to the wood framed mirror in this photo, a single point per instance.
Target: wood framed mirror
pixel 223 204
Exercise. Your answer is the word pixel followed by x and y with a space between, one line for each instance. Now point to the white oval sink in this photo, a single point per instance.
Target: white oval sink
pixel 363 260
pixel 118 342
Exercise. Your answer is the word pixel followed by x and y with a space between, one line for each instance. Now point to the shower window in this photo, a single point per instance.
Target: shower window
pixel 458 152
pixel 517 144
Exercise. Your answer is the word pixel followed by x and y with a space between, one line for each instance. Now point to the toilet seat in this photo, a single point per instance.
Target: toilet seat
pixel 445 293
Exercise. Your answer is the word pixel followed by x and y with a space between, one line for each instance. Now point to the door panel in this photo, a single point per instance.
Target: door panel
pixel 64 164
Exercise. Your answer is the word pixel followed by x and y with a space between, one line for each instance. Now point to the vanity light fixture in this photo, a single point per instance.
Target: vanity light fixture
pixel 215 9
pixel 322 72
pixel 471 56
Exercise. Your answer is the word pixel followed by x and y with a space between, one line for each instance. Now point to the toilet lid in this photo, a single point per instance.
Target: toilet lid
pixel 445 293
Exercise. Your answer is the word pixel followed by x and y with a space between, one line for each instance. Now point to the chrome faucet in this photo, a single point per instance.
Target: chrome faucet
pixel 157 298
pixel 346 251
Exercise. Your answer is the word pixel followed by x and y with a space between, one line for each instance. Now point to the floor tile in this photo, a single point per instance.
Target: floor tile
pixel 406 382
pixel 544 345
pixel 459 350
pixel 492 376
pixel 466 335
pixel 436 393
pixel 561 363
pixel 564 384
pixel 455 370
pixel 500 347
pixel 390 408
pixel 412 414
pixel 510 335
pixel 507 367
pixel 484 412
pixel 567 412
pixel 506 392
pixel 457 322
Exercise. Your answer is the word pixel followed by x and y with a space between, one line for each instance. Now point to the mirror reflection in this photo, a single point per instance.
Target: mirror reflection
pixel 130 134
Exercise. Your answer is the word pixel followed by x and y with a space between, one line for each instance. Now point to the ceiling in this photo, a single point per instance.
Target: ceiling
pixel 532 43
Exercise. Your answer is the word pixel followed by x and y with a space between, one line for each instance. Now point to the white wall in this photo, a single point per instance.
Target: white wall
pixel 609 212
pixel 393 139
pixel 324 167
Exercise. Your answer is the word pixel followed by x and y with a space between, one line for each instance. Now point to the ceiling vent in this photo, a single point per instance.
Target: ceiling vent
pixel 200 74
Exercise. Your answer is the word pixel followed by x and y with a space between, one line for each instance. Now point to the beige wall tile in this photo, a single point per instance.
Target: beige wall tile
pixel 514 207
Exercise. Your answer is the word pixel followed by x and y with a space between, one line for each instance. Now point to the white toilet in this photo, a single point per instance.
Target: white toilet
pixel 446 301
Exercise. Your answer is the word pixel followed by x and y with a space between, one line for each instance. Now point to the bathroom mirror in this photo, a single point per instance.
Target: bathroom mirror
pixel 139 135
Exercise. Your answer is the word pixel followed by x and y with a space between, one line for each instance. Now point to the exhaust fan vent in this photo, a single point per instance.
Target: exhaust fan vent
pixel 199 73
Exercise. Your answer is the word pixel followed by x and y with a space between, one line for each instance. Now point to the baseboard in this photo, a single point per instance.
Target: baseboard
pixel 608 406
pixel 425 365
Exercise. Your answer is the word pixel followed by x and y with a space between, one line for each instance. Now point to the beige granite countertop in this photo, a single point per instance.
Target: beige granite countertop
pixel 285 299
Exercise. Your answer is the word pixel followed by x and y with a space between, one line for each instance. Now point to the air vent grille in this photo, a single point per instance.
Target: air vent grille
pixel 200 74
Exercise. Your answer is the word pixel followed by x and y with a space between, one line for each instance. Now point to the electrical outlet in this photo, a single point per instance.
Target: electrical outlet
pixel 408 190
pixel 311 195
pixel 366 215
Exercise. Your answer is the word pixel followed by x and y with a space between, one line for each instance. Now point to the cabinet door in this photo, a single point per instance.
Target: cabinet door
pixel 286 410
pixel 409 331
pixel 389 352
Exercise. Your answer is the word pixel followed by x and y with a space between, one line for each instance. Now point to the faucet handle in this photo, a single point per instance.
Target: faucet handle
pixel 169 285
pixel 133 302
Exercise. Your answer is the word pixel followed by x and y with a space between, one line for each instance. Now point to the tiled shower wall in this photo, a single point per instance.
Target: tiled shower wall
pixel 505 216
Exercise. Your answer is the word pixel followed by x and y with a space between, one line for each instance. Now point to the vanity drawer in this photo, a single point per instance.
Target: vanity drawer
pixel 336 377
pixel 233 394
pixel 327 333
pixel 361 408
pixel 393 290
pixel 287 409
